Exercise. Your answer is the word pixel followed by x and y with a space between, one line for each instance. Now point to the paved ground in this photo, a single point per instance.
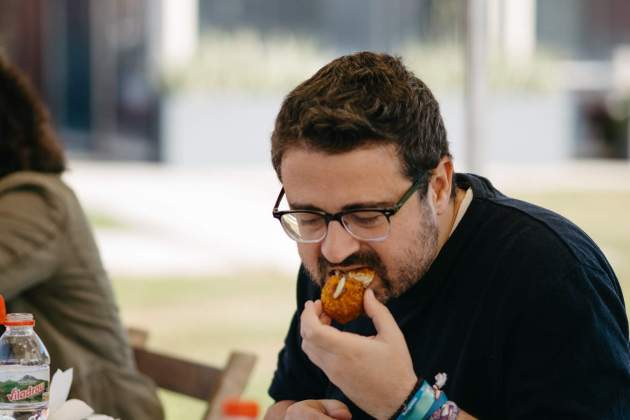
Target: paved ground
pixel 196 221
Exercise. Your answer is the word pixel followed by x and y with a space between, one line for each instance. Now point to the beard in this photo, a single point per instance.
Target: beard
pixel 404 272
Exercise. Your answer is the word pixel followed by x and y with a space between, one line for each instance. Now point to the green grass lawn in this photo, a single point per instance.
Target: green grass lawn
pixel 204 318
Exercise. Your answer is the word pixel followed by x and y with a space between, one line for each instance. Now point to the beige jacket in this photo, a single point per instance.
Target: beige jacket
pixel 50 267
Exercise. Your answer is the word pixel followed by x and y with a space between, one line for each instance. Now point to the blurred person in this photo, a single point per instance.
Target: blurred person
pixel 50 265
pixel 514 303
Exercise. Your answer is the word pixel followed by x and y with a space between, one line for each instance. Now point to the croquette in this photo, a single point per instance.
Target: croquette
pixel 342 294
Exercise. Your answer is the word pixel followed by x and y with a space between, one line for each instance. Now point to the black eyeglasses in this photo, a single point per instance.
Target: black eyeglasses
pixel 365 224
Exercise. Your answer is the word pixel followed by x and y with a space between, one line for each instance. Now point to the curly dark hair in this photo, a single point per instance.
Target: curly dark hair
pixel 361 99
pixel 27 139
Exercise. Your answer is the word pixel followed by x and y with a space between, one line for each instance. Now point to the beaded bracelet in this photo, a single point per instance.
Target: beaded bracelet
pixel 449 411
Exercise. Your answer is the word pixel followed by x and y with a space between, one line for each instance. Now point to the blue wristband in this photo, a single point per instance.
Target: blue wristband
pixel 423 404
pixel 437 404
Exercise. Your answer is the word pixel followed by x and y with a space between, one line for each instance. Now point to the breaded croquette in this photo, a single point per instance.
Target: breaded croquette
pixel 342 294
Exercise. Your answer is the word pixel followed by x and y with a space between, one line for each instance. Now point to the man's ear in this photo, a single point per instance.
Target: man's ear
pixel 441 184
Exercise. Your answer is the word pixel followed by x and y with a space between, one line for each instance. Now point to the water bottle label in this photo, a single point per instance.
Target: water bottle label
pixel 24 384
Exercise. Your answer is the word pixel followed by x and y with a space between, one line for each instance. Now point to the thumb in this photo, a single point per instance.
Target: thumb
pixel 383 320
pixel 336 409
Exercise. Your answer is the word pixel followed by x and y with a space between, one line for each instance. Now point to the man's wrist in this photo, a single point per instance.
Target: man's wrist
pixel 406 391
pixel 427 402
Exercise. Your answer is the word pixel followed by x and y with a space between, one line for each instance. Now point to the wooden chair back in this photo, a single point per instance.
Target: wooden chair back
pixel 207 383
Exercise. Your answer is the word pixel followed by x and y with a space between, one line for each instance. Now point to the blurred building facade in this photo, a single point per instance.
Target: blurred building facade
pixel 93 63
pixel 99 64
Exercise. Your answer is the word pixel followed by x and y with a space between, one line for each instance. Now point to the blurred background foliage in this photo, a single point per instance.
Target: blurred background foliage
pixel 225 62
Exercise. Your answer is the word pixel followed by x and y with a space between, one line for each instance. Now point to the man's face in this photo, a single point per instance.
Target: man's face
pixel 367 177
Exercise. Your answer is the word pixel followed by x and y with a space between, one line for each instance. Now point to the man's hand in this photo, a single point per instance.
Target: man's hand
pixel 318 409
pixel 308 409
pixel 376 372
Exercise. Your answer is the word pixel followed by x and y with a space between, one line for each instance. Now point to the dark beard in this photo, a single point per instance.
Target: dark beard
pixel 394 282
pixel 419 259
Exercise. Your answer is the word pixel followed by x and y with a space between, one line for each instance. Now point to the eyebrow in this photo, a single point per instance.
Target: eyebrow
pixel 351 206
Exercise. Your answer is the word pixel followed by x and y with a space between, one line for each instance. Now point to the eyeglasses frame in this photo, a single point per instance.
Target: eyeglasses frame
pixel 388 212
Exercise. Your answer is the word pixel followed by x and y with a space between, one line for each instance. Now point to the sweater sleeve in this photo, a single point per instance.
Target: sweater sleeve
pixel 30 234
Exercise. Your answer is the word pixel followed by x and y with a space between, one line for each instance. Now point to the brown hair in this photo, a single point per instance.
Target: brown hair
pixel 27 140
pixel 361 99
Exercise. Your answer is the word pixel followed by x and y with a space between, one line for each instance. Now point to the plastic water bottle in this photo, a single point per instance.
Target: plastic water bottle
pixel 24 370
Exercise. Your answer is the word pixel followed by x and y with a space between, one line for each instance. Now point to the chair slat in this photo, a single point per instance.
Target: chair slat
pixel 182 376
pixel 137 337
pixel 196 380
pixel 235 377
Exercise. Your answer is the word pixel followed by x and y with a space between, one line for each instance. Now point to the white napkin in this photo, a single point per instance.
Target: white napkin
pixel 59 408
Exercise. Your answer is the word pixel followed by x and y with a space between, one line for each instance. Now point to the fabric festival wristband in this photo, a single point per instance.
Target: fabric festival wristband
pixel 423 404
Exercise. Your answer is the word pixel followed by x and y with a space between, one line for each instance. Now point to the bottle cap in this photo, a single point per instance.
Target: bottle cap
pixel 19 320
pixel 236 407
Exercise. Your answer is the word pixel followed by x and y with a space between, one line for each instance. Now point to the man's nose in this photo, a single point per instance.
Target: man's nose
pixel 338 243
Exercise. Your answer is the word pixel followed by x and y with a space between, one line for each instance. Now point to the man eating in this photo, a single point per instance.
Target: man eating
pixel 512 309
